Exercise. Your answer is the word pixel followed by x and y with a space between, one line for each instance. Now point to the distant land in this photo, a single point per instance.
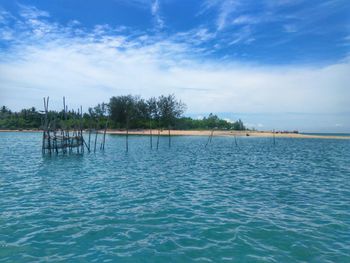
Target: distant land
pixel 122 112
pixel 137 116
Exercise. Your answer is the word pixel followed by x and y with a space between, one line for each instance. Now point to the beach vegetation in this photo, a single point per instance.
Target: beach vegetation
pixel 121 112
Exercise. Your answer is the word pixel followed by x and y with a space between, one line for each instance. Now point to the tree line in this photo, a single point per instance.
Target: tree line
pixel 122 112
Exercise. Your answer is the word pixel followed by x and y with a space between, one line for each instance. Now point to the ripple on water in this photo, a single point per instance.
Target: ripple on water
pixel 223 203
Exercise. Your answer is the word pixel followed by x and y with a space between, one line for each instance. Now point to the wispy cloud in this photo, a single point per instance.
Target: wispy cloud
pixel 31 12
pixel 156 14
pixel 225 9
pixel 298 17
pixel 245 19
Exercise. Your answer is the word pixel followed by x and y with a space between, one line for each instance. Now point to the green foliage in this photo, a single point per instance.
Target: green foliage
pixel 122 112
pixel 25 119
pixel 169 110
pixel 210 122
pixel 124 109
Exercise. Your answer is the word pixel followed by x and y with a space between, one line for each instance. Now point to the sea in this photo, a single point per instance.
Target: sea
pixel 243 200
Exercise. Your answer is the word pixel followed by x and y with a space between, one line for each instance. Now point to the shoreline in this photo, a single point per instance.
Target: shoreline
pixel 216 133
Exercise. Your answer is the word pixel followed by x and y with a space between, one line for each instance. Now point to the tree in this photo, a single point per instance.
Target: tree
pixel 122 109
pixel 169 109
pixel 238 125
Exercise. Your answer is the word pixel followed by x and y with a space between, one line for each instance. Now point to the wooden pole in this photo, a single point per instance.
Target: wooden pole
pixel 209 138
pixel 95 140
pixel 274 139
pixel 104 136
pixel 47 125
pixel 169 136
pixel 55 141
pixel 158 138
pixel 127 135
pixel 68 140
pixel 77 137
pixel 89 137
pixel 158 134
pixel 64 139
pixel 81 129
pixel 88 147
pixel 44 128
pixel 150 133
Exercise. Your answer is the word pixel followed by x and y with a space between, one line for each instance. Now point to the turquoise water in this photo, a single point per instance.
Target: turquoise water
pixel 327 134
pixel 252 203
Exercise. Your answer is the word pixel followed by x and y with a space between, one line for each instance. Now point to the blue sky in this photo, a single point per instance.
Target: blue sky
pixel 279 64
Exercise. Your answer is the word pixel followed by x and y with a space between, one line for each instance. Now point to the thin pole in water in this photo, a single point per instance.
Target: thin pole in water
pixel 158 134
pixel 90 128
pixel 44 127
pixel 89 138
pixel 158 138
pixel 150 133
pixel 81 129
pixel 96 132
pixel 209 138
pixel 274 139
pixel 104 136
pixel 127 135
pixel 169 136
pixel 64 139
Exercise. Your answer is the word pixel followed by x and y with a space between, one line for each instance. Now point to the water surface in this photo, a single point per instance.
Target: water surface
pixel 254 202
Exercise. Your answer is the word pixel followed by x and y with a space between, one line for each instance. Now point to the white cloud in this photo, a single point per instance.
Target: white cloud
pixel 225 8
pixel 244 35
pixel 91 72
pixel 229 120
pixel 155 7
pixel 93 66
pixel 242 20
pixel 254 125
pixel 155 13
pixel 6 34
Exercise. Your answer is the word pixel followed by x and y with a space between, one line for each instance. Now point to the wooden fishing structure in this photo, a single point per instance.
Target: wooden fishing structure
pixel 58 136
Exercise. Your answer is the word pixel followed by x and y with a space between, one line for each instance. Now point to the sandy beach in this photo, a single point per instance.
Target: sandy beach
pixel 226 133
pixel 216 133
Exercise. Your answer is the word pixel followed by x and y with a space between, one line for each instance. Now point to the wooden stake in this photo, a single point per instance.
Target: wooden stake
pixel 169 136
pixel 158 138
pixel 209 138
pixel 104 136
pixel 89 137
pixel 95 140
pixel 127 139
pixel 150 133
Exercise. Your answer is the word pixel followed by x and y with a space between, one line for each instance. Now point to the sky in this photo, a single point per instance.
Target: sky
pixel 276 64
